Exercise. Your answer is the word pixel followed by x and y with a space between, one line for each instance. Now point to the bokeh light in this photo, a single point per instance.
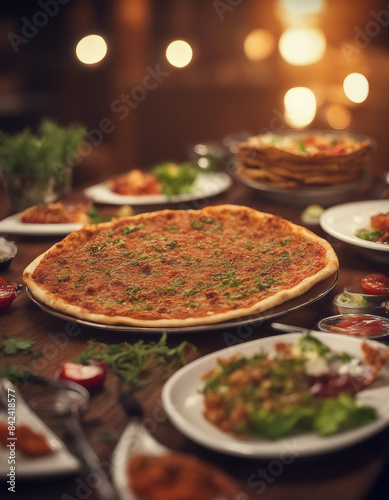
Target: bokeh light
pixel 338 116
pixel 300 106
pixel 301 46
pixel 91 49
pixel 301 7
pixel 259 45
pixel 179 53
pixel 356 87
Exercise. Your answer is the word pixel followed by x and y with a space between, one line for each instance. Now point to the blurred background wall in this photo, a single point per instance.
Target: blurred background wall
pixel 139 108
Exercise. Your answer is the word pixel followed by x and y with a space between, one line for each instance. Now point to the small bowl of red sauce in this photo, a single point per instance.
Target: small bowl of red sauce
pixel 358 325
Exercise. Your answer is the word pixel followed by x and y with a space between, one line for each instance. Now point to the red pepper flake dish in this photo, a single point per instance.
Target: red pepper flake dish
pixel 359 325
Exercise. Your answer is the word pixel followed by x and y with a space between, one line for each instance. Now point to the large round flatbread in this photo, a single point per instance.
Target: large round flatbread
pixel 177 268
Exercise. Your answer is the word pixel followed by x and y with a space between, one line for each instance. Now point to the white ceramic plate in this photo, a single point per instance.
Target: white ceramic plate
pixel 135 439
pixel 206 185
pixel 184 405
pixel 58 463
pixel 342 222
pixel 12 225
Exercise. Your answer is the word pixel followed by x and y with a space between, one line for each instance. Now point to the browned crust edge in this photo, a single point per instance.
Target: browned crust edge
pixel 331 265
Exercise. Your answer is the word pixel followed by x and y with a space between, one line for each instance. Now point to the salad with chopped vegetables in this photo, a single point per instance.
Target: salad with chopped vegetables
pixel 300 387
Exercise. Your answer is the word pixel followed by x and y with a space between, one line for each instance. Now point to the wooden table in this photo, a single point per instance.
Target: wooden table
pixel 346 475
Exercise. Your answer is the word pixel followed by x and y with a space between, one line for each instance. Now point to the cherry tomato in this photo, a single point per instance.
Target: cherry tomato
pixel 7 293
pixel 375 284
pixel 90 376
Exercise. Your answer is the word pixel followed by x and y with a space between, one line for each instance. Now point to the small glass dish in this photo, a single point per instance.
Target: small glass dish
pixel 358 325
pixel 8 250
pixel 370 298
pixel 355 303
pixel 209 156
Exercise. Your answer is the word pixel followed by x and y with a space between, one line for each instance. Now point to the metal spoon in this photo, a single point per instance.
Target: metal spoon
pixel 63 404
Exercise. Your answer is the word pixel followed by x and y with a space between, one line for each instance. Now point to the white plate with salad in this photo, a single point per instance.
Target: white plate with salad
pixel 206 185
pixel 349 221
pixel 183 400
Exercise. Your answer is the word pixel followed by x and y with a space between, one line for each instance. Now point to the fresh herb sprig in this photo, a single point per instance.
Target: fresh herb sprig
pixel 18 374
pixel 10 345
pixel 134 363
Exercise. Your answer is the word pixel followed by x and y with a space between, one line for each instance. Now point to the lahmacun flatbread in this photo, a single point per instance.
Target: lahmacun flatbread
pixel 300 160
pixel 176 268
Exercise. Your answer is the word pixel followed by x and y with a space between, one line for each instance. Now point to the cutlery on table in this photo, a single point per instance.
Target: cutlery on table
pixel 290 329
pixel 63 408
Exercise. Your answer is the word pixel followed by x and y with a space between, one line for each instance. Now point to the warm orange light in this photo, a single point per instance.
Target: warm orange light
pixel 356 87
pixel 301 7
pixel 338 116
pixel 259 45
pixel 299 13
pixel 300 106
pixel 179 53
pixel 302 46
pixel 91 49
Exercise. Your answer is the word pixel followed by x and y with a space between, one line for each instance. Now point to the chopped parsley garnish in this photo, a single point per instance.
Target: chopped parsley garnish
pixel 196 224
pixel 131 229
pixel 95 248
pixel 131 291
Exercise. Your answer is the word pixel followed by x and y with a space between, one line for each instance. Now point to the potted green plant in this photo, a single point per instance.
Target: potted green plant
pixel 37 167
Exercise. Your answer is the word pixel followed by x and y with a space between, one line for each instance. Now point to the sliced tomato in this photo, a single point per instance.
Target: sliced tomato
pixel 375 284
pixel 90 376
pixel 7 293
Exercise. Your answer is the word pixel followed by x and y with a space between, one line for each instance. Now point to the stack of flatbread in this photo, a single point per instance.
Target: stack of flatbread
pixel 303 160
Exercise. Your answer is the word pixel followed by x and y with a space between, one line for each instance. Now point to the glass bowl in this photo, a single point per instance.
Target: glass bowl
pixel 209 156
pixel 8 250
pixel 355 303
pixel 368 297
pixel 367 326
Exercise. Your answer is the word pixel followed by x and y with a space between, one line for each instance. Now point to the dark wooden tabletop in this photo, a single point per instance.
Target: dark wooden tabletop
pixel 348 474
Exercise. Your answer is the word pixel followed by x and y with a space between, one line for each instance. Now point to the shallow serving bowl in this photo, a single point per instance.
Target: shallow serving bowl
pixel 357 325
pixel 355 303
pixel 8 250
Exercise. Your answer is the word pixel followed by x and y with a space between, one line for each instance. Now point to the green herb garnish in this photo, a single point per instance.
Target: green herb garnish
pixel 131 229
pixel 369 234
pixel 12 345
pixel 175 178
pixel 134 363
